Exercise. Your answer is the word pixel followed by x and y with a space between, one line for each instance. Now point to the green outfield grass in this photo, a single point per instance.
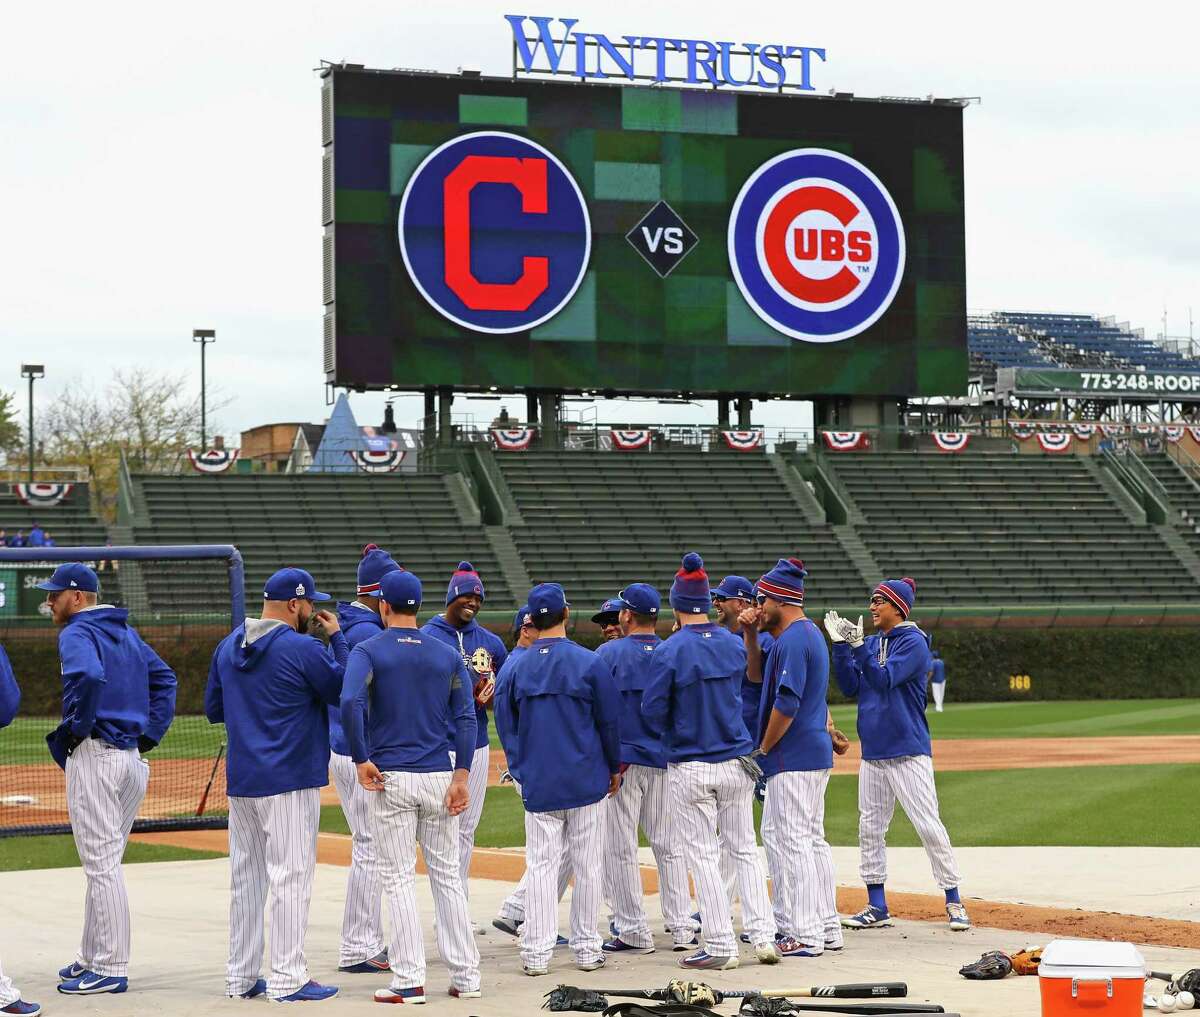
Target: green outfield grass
pixel 58 852
pixel 190 737
pixel 1087 806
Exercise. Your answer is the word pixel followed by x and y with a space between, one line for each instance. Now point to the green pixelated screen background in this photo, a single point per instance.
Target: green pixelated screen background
pixel 626 330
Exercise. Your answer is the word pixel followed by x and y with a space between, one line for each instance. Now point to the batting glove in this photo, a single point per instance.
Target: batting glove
pixel 851 633
pixel 832 621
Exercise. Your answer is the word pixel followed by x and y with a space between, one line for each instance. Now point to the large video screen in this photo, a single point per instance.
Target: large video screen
pixel 492 234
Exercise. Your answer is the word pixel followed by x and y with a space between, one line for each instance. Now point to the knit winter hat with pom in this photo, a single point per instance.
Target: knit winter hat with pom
pixel 690 593
pixel 785 582
pixel 376 563
pixel 464 582
pixel 900 593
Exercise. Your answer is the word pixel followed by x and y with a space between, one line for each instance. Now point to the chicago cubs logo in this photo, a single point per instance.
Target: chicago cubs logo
pixel 816 245
pixel 494 232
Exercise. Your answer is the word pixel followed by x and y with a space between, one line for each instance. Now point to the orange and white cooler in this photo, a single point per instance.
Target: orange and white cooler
pixel 1085 978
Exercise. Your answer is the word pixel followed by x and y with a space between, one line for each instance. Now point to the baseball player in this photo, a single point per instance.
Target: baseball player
pixel 694 699
pixel 937 681
pixel 644 798
pixel 118 701
pixel 404 690
pixel 609 619
pixel 559 721
pixel 10 698
pixel 484 654
pixel 270 684
pixel 512 911
pixel 797 760
pixel 886 673
pixel 362 950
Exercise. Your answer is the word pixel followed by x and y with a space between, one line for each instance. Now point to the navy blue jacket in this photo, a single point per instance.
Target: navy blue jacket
pixel 115 687
pixel 752 691
pixel 558 714
pixel 887 675
pixel 695 695
pixel 939 670
pixel 629 659
pixel 484 654
pixel 10 693
pixel 271 694
pixel 358 623
pixel 796 683
pixel 403 691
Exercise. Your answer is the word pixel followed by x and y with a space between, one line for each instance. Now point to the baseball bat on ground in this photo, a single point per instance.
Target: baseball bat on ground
pixel 211 777
pixel 879 1009
pixel 853 990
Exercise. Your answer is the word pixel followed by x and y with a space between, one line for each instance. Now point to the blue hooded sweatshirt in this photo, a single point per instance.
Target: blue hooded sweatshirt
pixel 484 654
pixel 629 658
pixel 752 691
pixel 887 675
pixel 115 687
pixel 695 695
pixel 270 686
pixel 10 693
pixel 403 691
pixel 796 683
pixel 558 714
pixel 358 624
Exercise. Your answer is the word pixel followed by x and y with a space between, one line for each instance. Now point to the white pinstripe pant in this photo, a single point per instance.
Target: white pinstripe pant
pixel 411 808
pixel 910 779
pixel 645 799
pixel 105 786
pixel 708 796
pixel 272 846
pixel 362 919
pixel 8 991
pixel 939 694
pixel 798 856
pixel 579 834
pixel 468 820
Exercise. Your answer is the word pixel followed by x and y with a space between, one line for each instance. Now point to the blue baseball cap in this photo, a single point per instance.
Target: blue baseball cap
pixel 289 583
pixel 71 576
pixel 522 618
pixel 546 598
pixel 400 589
pixel 735 587
pixel 609 609
pixel 640 598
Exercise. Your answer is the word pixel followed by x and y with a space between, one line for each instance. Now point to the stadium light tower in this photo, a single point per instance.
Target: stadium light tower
pixel 203 336
pixel 32 372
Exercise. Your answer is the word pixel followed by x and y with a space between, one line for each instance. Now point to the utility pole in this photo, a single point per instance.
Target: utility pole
pixel 203 336
pixel 32 372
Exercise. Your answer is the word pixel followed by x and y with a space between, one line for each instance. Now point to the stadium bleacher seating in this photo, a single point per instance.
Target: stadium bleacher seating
pixel 595 521
pixel 320 522
pixel 991 527
pixel 1039 339
pixel 1183 492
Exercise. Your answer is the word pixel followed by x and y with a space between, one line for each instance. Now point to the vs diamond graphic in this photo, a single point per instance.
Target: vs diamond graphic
pixel 662 238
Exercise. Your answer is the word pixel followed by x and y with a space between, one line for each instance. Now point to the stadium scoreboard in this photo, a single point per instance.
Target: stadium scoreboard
pixel 491 234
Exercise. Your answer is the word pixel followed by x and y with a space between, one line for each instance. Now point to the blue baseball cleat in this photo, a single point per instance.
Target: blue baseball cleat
pixel 372 965
pixel 256 990
pixel 618 945
pixel 72 970
pixel 310 992
pixel 90 984
pixel 23 1009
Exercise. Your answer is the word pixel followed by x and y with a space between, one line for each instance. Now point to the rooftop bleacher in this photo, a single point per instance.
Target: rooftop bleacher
pixel 319 522
pixel 992 527
pixel 596 521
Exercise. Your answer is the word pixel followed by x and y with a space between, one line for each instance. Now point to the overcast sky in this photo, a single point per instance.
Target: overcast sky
pixel 161 164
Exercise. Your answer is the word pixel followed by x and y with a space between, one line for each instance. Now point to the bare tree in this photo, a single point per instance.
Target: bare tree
pixel 10 430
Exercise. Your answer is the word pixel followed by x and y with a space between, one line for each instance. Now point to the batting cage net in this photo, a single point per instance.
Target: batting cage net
pixel 182 600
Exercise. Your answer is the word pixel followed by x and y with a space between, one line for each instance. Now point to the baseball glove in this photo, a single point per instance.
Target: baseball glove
pixel 766 1006
pixel 568 997
pixel 841 744
pixel 1025 962
pixel 484 690
pixel 992 964
pixel 1189 981
pixel 692 993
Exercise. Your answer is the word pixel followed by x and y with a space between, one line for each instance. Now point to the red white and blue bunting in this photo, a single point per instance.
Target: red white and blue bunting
pixel 1143 430
pixel 213 460
pixel 1022 429
pixel 1112 430
pixel 1195 433
pixel 630 441
pixel 951 441
pixel 743 441
pixel 1056 442
pixel 1083 431
pixel 513 440
pixel 41 495
pixel 1173 434
pixel 846 441
pixel 377 460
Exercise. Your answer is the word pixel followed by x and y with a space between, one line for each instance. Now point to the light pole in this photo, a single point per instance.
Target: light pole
pixel 203 336
pixel 32 372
